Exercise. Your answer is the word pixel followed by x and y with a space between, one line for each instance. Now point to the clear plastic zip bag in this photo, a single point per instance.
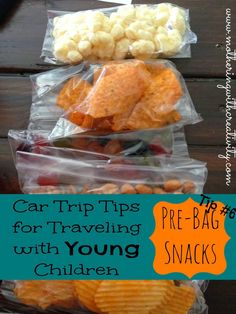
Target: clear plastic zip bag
pixel 116 96
pixel 54 171
pixel 144 143
pixel 83 297
pixel 116 33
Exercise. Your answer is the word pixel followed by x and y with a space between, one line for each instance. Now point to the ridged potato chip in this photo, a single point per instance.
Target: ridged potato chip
pixel 182 300
pixel 132 296
pixel 86 290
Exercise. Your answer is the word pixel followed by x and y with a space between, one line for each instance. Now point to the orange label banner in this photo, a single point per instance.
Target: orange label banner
pixel 189 239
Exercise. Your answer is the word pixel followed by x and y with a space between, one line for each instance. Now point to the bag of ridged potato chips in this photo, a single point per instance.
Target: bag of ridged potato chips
pixel 106 296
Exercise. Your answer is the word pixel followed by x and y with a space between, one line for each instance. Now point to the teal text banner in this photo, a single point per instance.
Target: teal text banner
pixel 117 237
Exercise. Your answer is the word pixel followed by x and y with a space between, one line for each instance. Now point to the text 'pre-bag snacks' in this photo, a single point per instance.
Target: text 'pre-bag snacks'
pixel 139 31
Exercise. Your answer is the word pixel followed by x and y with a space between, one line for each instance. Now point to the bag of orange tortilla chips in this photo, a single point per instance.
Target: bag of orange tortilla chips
pixel 114 96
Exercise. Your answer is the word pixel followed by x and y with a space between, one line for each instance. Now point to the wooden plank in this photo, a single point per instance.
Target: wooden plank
pixel 15 100
pixel 22 37
pixel 220 297
pixel 215 182
pixel 20 46
pixel 210 102
pixel 8 175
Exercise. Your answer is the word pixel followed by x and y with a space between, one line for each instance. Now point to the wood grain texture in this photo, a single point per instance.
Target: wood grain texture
pixel 21 39
pixel 8 175
pixel 15 100
pixel 220 297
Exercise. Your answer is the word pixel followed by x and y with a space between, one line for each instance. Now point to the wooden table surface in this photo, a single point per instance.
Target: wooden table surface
pixel 20 44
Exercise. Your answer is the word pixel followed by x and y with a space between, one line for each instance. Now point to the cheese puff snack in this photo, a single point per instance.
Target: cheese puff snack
pixel 139 31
